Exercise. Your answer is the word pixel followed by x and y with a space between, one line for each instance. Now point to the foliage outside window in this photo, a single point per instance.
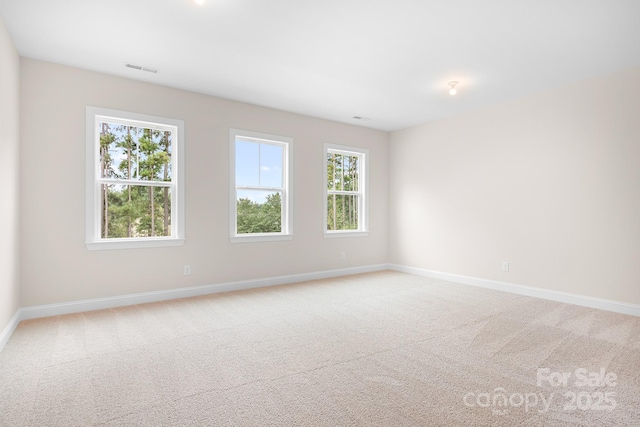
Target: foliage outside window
pixel 345 187
pixel 261 197
pixel 134 185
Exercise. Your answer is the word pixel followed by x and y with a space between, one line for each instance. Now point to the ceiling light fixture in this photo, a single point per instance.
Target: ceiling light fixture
pixel 453 89
pixel 200 2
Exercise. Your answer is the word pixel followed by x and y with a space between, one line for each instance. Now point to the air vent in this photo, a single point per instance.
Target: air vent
pixel 141 68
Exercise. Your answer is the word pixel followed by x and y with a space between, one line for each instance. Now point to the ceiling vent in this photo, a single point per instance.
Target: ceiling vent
pixel 141 68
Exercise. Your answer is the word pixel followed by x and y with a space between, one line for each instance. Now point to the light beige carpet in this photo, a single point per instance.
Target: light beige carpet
pixel 385 349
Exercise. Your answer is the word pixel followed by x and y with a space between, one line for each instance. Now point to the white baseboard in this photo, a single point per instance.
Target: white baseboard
pixel 8 330
pixel 565 297
pixel 34 312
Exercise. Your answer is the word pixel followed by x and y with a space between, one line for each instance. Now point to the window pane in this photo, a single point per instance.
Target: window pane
pixel 108 150
pixel 135 211
pixel 247 163
pixel 342 172
pixel 270 165
pixel 153 158
pixel 130 152
pixel 258 211
pixel 351 173
pixel 342 212
pixel 338 171
pixel 331 171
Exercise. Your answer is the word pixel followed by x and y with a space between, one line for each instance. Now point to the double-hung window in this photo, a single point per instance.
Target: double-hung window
pixel 345 191
pixel 260 203
pixel 135 194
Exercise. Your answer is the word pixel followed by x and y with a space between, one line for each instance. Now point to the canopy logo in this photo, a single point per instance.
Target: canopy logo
pixel 596 398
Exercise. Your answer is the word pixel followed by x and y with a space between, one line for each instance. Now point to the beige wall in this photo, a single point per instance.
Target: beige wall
pixel 550 183
pixel 56 266
pixel 9 162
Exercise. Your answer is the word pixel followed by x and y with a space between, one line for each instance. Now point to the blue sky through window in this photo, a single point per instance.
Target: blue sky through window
pixel 258 164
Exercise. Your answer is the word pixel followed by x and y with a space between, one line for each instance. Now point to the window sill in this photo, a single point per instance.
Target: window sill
pixel 253 238
pixel 336 234
pixel 134 243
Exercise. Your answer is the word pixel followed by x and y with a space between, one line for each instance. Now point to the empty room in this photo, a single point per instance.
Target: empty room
pixel 250 213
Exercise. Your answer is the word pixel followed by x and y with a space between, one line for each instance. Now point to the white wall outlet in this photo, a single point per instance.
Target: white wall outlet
pixel 343 255
pixel 505 265
pixel 187 270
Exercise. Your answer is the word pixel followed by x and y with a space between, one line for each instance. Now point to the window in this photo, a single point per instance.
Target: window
pixel 261 207
pixel 345 191
pixel 135 194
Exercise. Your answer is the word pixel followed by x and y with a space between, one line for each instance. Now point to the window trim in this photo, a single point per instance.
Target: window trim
pixel 93 240
pixel 287 188
pixel 363 220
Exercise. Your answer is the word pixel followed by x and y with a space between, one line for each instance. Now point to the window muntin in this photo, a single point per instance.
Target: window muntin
pixel 261 197
pixel 345 195
pixel 134 190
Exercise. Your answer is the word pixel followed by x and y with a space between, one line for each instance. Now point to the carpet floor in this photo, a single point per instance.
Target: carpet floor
pixel 383 348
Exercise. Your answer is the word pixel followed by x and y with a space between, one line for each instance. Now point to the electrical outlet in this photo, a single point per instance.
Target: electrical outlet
pixel 505 265
pixel 187 270
pixel 343 255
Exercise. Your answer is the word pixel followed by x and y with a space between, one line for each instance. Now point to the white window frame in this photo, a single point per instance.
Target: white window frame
pixel 94 241
pixel 287 187
pixel 363 193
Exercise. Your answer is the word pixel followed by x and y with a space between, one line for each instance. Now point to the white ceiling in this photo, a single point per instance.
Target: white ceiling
pixel 389 61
